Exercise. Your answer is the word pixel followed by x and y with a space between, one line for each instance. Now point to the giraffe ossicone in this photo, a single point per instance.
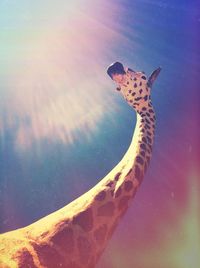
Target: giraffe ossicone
pixel 76 235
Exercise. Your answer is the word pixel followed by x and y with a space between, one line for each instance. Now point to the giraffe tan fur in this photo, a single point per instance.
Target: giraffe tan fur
pixel 76 235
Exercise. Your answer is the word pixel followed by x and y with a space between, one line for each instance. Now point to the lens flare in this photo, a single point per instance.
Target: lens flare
pixel 58 83
pixel 174 243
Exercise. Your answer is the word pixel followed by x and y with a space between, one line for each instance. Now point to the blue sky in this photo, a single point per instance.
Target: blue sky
pixel 56 144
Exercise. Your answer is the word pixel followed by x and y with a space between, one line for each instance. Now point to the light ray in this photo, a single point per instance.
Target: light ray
pixel 175 242
pixel 61 85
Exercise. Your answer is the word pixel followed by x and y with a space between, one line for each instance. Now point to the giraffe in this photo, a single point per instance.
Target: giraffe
pixel 76 235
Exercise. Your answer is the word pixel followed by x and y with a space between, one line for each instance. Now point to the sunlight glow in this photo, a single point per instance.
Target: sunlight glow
pixel 59 82
pixel 186 254
pixel 176 241
pixel 180 244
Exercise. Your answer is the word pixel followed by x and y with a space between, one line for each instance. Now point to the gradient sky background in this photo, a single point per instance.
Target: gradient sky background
pixel 61 119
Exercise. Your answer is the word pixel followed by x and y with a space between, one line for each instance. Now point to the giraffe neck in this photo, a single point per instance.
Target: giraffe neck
pixel 76 235
pixel 121 184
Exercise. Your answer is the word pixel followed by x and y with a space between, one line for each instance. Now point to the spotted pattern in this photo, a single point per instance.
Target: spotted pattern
pixel 118 192
pixel 100 196
pixel 128 186
pixel 84 220
pixel 109 184
pixel 129 172
pixel 138 173
pixel 65 239
pixel 136 91
pixel 140 160
pixel 137 94
pixel 48 256
pixel 26 259
pixel 94 226
pixel 117 176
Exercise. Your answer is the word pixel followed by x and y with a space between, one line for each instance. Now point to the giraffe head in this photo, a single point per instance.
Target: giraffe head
pixel 134 86
pixel 137 89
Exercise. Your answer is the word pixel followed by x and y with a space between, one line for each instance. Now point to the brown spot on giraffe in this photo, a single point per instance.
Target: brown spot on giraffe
pixel 141 126
pixel 100 196
pixel 44 234
pixel 106 210
pixel 147 160
pixel 147 126
pixel 149 133
pixel 117 176
pixel 86 222
pixel 118 192
pixel 84 219
pixel 65 239
pixel 129 172
pixel 147 121
pixel 112 192
pixel 144 140
pixel 109 184
pixel 128 186
pixel 139 160
pixel 25 259
pixel 152 120
pixel 149 139
pixel 48 256
pixel 138 173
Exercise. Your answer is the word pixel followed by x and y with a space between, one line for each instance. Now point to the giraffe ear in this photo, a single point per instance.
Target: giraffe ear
pixel 153 76
pixel 130 70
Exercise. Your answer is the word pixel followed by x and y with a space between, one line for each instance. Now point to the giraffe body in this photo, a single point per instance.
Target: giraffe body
pixel 76 235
